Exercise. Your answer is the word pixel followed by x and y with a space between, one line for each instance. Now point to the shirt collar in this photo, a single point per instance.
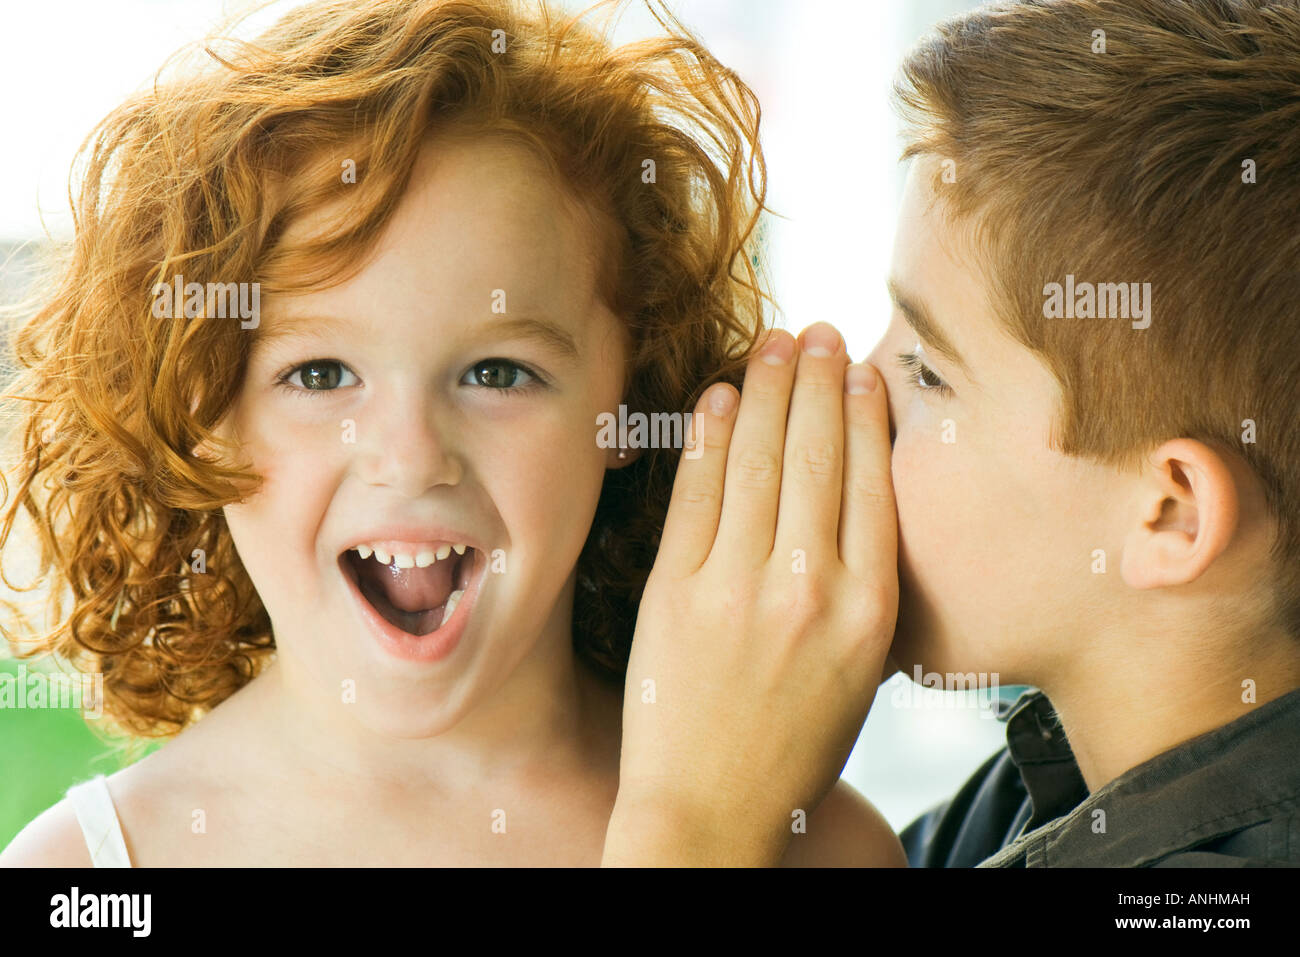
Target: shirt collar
pixel 1211 785
pixel 1040 750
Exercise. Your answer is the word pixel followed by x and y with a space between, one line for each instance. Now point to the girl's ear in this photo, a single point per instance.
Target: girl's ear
pixel 618 458
pixel 1187 515
pixel 223 431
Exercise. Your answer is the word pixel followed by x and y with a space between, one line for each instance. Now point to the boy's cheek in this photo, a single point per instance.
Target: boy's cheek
pixel 927 475
pixel 923 508
pixel 942 505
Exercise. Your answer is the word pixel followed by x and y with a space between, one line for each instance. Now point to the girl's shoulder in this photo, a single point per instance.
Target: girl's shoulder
pixel 845 830
pixel 133 802
pixel 59 836
pixel 53 839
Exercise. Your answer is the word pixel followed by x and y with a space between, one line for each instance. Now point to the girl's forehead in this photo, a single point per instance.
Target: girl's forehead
pixel 475 208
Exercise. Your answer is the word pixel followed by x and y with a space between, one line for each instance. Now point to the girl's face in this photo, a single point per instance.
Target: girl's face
pixel 448 393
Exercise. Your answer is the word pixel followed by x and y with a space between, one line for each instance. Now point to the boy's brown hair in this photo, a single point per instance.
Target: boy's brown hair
pixel 1137 141
pixel 202 173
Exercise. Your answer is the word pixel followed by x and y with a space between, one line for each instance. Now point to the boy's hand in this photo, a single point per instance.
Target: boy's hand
pixel 763 630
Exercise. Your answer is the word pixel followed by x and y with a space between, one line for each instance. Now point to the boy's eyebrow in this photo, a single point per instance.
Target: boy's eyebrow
pixel 519 327
pixel 918 317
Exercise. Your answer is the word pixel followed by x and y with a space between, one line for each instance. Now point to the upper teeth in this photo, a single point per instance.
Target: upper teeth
pixel 421 559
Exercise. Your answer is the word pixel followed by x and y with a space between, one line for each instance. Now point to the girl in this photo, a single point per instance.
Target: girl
pixel 308 432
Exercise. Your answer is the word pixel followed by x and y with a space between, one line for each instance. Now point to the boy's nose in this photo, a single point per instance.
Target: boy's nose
pixel 879 358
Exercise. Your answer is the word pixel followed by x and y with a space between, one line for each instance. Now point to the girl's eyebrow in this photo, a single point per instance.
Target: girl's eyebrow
pixel 543 330
pixel 546 331
pixel 283 327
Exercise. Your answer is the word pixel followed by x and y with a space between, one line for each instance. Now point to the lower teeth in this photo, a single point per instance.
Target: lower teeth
pixel 452 600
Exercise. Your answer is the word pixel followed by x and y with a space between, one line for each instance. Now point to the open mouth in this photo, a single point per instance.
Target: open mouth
pixel 418 600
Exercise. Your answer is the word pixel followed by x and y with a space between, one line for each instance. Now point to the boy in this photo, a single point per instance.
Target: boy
pixel 1093 380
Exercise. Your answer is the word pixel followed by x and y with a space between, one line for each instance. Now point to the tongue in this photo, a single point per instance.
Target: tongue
pixel 412 589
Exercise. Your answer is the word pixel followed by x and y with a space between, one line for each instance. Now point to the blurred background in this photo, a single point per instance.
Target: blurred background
pixel 821 70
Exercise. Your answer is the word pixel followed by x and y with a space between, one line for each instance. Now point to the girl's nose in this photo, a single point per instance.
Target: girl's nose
pixel 408 446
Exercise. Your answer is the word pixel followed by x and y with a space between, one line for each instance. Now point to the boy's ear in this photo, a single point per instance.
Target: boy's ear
pixel 1188 509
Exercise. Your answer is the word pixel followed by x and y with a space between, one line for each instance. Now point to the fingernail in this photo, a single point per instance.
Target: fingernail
pixel 859 378
pixel 721 401
pixel 779 349
pixel 821 339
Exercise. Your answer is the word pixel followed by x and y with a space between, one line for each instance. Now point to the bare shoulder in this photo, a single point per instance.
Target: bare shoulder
pixel 845 830
pixel 152 798
pixel 55 838
pixel 139 793
pixel 52 839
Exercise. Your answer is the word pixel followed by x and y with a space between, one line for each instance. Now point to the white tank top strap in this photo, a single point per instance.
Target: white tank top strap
pixel 99 823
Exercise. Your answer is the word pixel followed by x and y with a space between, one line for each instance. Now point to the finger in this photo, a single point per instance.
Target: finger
pixel 869 516
pixel 748 521
pixel 696 501
pixel 812 479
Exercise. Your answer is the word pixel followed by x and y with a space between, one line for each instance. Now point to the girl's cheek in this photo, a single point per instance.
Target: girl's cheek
pixel 534 459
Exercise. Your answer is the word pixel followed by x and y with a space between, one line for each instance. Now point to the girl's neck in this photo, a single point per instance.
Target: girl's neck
pixel 552 713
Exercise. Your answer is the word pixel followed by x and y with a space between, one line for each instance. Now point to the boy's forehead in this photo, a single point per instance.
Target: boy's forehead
pixel 934 281
pixel 940 287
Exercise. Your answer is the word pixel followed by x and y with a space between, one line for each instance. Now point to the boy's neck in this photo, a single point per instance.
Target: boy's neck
pixel 1176 689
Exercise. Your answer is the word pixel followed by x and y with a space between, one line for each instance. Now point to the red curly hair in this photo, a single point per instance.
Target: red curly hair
pixel 202 173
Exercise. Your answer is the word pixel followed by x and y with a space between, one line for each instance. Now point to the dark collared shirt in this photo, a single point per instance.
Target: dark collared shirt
pixel 1228 798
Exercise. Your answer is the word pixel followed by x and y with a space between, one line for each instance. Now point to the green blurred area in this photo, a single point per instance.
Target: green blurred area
pixel 43 751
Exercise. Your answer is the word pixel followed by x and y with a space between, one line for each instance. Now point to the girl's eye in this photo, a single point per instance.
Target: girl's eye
pixel 501 375
pixel 922 376
pixel 317 376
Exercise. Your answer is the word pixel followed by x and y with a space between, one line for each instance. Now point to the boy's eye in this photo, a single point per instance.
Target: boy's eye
pixel 317 375
pixel 501 375
pixel 922 376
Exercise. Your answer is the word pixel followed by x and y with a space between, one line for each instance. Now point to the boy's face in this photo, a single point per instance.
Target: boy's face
pixel 996 530
pixel 400 418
